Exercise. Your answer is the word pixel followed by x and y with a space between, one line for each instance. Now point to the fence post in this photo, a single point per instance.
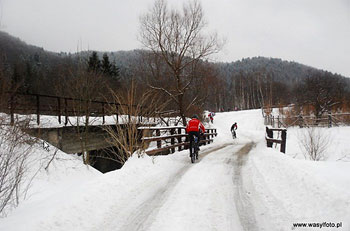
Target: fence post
pixel 300 121
pixel 284 140
pixel 140 114
pixel 329 119
pixel 129 117
pixel 66 111
pixel 208 136
pixel 269 133
pixel 37 109
pixel 159 142
pixel 12 110
pixel 103 113
pixel 179 138
pixel 59 109
pixel 172 140
pixel 116 113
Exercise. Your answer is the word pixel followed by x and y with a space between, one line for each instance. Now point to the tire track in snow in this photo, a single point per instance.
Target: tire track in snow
pixel 145 214
pixel 244 205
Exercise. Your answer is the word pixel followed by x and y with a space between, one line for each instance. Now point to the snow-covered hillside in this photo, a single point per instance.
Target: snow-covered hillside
pixel 236 185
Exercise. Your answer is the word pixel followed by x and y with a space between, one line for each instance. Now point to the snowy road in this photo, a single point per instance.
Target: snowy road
pixel 199 197
pixel 236 185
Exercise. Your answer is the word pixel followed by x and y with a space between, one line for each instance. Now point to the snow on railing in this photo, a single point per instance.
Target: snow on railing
pixel 270 140
pixel 173 136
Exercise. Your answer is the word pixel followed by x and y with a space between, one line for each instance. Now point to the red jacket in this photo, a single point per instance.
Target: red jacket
pixel 194 125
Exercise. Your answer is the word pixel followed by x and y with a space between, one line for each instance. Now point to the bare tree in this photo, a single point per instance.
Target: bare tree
pixel 124 135
pixel 83 87
pixel 177 38
pixel 314 143
pixel 15 147
pixel 322 91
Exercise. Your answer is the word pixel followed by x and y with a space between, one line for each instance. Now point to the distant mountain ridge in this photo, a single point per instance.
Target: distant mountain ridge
pixel 281 70
pixel 14 50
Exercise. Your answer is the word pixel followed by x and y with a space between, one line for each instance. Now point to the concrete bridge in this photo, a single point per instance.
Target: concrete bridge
pixel 98 143
pixel 69 138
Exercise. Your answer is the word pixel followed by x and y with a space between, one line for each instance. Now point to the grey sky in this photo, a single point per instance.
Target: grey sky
pixel 312 32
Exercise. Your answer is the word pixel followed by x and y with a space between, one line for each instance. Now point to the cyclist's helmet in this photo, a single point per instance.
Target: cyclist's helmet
pixel 195 116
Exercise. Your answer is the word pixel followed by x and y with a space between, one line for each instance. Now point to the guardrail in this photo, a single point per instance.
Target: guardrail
pixel 328 120
pixel 170 138
pixel 23 103
pixel 270 140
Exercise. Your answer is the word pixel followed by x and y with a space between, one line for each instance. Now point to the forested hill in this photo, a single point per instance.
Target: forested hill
pixel 42 70
pixel 282 71
pixel 14 51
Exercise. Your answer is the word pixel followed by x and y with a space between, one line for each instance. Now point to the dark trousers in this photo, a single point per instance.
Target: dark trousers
pixel 191 134
pixel 233 133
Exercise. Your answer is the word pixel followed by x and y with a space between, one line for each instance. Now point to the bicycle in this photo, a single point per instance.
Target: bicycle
pixel 194 149
pixel 233 134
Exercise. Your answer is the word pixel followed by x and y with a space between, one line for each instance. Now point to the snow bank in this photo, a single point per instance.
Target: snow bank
pixel 269 190
pixel 284 190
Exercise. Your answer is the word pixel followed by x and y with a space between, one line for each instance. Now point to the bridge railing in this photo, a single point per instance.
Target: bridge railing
pixel 39 104
pixel 169 138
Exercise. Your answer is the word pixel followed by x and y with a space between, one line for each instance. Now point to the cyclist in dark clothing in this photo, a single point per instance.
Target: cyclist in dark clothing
pixel 233 130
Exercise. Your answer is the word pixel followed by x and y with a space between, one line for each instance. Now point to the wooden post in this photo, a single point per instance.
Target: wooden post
pixel 187 146
pixel 208 136
pixel 103 113
pixel 140 117
pixel 329 119
pixel 172 140
pixel 59 109
pixel 284 139
pixel 159 142
pixel 12 109
pixel 66 111
pixel 300 118
pixel 269 133
pixel 179 138
pixel 129 113
pixel 37 109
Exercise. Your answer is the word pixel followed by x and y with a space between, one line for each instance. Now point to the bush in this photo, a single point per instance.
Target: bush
pixel 15 147
pixel 314 143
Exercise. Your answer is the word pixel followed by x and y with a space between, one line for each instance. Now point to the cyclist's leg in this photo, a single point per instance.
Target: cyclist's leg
pixel 197 134
pixel 190 137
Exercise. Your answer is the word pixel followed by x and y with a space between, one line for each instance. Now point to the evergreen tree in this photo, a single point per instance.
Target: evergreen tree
pixel 106 66
pixel 94 63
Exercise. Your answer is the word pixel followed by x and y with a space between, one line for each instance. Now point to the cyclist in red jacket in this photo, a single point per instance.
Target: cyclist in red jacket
pixel 194 127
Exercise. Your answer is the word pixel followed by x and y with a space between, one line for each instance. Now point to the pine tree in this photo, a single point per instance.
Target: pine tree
pixel 106 66
pixel 94 63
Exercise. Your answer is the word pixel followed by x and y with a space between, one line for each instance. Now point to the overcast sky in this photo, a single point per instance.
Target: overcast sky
pixel 312 32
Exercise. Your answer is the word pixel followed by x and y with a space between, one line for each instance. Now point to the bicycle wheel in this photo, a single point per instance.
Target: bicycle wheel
pixel 192 152
pixel 193 158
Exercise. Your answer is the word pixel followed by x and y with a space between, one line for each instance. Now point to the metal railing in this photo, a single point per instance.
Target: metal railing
pixel 39 104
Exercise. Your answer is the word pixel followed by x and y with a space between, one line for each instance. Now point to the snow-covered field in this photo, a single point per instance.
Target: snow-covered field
pixel 236 185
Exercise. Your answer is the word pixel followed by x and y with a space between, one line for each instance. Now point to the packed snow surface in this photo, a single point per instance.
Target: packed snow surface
pixel 236 185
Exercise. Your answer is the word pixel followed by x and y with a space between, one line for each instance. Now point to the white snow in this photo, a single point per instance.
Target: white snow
pixel 236 185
